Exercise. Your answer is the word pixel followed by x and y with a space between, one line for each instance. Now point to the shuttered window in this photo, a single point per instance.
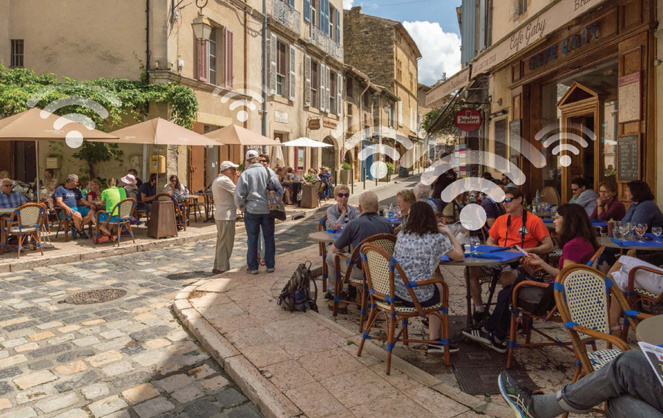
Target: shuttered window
pixel 315 83
pixel 281 65
pixel 17 53
pixel 332 92
pixel 338 26
pixel 215 58
pixel 228 58
pixel 307 10
pixel 292 68
pixel 339 95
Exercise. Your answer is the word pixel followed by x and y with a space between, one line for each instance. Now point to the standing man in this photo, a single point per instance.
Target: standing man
pixel 225 213
pixel 251 197
pixel 583 195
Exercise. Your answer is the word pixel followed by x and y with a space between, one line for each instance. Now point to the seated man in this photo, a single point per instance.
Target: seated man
pixel 493 209
pixel 584 196
pixel 70 199
pixel 9 198
pixel 148 191
pixel 341 213
pixel 628 383
pixel 508 231
pixel 369 223
pixel 422 192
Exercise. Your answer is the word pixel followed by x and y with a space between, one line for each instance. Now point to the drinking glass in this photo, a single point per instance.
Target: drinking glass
pixel 624 229
pixel 631 229
pixel 474 243
pixel 657 230
pixel 640 229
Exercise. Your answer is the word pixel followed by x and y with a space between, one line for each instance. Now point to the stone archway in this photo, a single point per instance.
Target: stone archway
pixel 329 154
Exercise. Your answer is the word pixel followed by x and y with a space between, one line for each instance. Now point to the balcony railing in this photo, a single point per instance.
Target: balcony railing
pixel 286 15
pixel 326 43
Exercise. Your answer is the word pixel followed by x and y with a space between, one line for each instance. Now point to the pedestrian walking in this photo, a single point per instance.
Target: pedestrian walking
pixel 225 213
pixel 251 197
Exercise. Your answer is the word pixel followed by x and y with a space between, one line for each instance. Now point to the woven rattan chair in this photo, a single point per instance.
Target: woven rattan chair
pixel 379 267
pixel 582 295
pixel 527 319
pixel 639 298
pixel 123 214
pixel 385 241
pixel 322 250
pixel 24 223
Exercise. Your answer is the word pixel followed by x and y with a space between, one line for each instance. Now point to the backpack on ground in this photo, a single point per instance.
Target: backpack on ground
pixel 296 294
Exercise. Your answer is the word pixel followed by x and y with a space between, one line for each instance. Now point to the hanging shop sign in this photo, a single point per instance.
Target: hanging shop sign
pixel 329 123
pixel 314 124
pixel 568 44
pixel 468 119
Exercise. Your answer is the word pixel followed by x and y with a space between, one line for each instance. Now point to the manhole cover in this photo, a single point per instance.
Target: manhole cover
pixel 94 296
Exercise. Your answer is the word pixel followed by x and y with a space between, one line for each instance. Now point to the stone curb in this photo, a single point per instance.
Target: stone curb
pixel 272 402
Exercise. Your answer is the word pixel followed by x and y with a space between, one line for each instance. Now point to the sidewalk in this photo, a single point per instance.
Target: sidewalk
pixel 305 363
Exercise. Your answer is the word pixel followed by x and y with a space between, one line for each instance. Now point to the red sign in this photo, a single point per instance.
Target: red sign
pixel 468 119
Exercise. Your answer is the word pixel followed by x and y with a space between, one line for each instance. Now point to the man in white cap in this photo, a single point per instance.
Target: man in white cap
pixel 251 197
pixel 225 212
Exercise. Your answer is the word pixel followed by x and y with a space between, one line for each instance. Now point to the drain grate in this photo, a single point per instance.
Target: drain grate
pixel 94 296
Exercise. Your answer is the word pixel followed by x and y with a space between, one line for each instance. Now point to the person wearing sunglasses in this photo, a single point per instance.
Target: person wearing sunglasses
pixel 515 227
pixel 341 213
pixel 174 187
pixel 584 196
pixel 9 198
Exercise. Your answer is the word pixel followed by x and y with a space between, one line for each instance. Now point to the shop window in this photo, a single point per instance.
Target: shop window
pixel 17 49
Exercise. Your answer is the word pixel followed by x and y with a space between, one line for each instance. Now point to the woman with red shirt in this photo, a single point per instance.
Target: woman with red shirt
pixel 607 207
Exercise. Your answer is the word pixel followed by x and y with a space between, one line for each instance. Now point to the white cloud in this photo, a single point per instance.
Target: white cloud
pixel 440 50
pixel 347 4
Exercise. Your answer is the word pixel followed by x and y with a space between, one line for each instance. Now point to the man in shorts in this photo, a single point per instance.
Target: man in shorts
pixel 70 199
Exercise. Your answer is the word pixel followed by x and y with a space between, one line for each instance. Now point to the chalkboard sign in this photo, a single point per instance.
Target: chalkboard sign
pixel 628 158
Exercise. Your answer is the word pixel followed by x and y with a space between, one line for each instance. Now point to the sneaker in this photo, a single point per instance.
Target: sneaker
pixel 478 318
pixel 519 399
pixel 497 345
pixel 252 271
pixel 74 233
pixel 329 295
pixel 82 234
pixel 271 270
pixel 439 349
pixel 478 335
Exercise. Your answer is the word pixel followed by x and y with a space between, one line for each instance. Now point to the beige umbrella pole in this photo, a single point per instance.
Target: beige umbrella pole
pixel 37 167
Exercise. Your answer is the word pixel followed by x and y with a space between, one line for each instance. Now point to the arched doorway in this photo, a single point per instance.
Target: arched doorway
pixel 329 154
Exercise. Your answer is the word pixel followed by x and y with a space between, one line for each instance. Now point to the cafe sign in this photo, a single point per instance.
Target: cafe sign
pixel 468 120
pixel 329 123
pixel 568 44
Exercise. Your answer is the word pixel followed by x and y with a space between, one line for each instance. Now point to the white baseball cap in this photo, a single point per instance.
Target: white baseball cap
pixel 226 165
pixel 251 154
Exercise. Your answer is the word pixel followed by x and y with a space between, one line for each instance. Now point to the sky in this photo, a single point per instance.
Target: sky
pixel 432 24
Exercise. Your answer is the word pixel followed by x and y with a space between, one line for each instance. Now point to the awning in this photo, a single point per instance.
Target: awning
pixel 445 112
pixel 453 83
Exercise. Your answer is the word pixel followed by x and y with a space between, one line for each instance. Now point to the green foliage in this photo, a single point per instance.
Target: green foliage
pixel 345 166
pixel 21 89
pixel 390 168
pixel 447 127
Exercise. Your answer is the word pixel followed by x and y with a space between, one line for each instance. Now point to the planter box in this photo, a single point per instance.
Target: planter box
pixel 345 177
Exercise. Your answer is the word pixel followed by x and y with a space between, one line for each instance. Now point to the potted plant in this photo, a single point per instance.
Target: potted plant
pixel 346 170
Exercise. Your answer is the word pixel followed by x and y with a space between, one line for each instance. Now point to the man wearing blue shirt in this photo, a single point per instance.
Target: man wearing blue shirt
pixel 68 197
pixel 10 199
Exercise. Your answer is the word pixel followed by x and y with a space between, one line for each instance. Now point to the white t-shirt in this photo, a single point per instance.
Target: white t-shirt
pixel 223 191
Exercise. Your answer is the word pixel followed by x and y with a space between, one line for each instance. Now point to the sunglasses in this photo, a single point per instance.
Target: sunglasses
pixel 574 190
pixel 343 195
pixel 509 199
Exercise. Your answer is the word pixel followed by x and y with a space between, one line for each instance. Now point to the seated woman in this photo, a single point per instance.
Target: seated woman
pixel 174 187
pixel 47 194
pixel 341 213
pixel 110 197
pixel 643 208
pixel 419 248
pixel 645 280
pixel 94 194
pixel 578 241
pixel 404 200
pixel 607 207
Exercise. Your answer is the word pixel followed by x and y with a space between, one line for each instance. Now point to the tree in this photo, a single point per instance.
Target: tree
pixel 446 126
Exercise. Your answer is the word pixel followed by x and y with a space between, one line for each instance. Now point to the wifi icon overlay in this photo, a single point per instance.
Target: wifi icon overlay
pixel 379 169
pixel 74 138
pixel 240 101
pixel 552 134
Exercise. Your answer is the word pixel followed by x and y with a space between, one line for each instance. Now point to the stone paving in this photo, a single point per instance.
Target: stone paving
pixel 124 358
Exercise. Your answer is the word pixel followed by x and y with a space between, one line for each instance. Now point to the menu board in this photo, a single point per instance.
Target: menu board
pixel 628 158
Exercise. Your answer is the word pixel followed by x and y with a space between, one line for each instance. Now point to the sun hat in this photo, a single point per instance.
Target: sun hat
pixel 226 165
pixel 129 179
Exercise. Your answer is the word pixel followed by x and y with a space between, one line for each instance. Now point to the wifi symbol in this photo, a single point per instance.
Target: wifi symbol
pixel 472 216
pixel 565 160
pixel 379 169
pixel 74 138
pixel 239 100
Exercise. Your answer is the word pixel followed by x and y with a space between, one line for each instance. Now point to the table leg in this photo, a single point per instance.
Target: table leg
pixel 468 296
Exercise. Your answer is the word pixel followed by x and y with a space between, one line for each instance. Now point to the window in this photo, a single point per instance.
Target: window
pixel 214 58
pixel 348 87
pixel 16 53
pixel 281 65
pixel 399 70
pixel 332 21
pixel 411 81
pixel 332 92
pixel 522 6
pixel 390 115
pixel 315 82
pixel 314 7
pixel 367 100
pixel 349 113
pixel 211 54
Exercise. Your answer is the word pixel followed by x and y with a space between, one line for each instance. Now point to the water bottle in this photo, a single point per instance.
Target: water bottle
pixel 391 211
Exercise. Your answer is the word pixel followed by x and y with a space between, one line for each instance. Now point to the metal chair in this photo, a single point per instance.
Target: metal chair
pixel 26 222
pixel 581 294
pixel 386 242
pixel 119 217
pixel 379 267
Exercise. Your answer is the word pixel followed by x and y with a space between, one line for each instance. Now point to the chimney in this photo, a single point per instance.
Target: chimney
pixel 356 9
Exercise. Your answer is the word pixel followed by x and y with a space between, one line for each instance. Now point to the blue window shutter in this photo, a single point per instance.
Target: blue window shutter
pixel 292 3
pixel 324 16
pixel 338 26
pixel 307 11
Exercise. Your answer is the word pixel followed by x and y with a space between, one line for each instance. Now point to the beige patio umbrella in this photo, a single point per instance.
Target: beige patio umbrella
pixel 39 125
pixel 236 135
pixel 306 142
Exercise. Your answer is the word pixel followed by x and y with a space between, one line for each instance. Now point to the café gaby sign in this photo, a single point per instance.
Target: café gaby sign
pixel 568 44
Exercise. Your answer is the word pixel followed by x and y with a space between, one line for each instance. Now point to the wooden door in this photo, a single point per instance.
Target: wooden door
pixel 197 163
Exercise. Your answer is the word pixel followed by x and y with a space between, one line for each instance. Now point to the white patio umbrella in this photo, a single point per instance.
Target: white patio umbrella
pixel 277 154
pixel 306 142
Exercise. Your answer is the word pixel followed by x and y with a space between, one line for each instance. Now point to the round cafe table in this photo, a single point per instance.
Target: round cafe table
pixel 649 330
pixel 324 236
pixel 607 242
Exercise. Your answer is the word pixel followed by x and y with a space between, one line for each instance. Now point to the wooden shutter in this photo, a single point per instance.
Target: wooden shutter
pixel 272 63
pixel 292 81
pixel 338 26
pixel 324 16
pixel 339 96
pixel 321 90
pixel 307 10
pixel 228 38
pixel 400 113
pixel 328 86
pixel 307 80
pixel 202 73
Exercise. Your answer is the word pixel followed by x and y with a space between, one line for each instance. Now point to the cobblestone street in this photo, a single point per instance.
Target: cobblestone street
pixel 123 358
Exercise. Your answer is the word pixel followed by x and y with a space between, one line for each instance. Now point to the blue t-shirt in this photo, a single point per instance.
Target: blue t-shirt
pixel 70 197
pixel 366 225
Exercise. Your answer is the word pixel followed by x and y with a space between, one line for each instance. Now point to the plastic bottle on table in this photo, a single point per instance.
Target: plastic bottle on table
pixel 391 211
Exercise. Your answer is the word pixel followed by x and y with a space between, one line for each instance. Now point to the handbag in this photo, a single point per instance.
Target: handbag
pixel 274 200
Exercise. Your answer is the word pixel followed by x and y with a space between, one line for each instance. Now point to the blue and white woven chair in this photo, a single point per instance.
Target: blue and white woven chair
pixel 26 222
pixel 120 217
pixel 379 267
pixel 582 295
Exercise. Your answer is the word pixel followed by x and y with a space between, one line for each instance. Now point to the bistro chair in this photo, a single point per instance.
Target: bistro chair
pixel 119 217
pixel 322 250
pixel 379 268
pixel 581 294
pixel 64 223
pixel 640 298
pixel 386 242
pixel 550 195
pixel 25 223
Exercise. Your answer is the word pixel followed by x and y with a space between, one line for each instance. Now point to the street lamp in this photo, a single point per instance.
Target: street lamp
pixel 202 28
